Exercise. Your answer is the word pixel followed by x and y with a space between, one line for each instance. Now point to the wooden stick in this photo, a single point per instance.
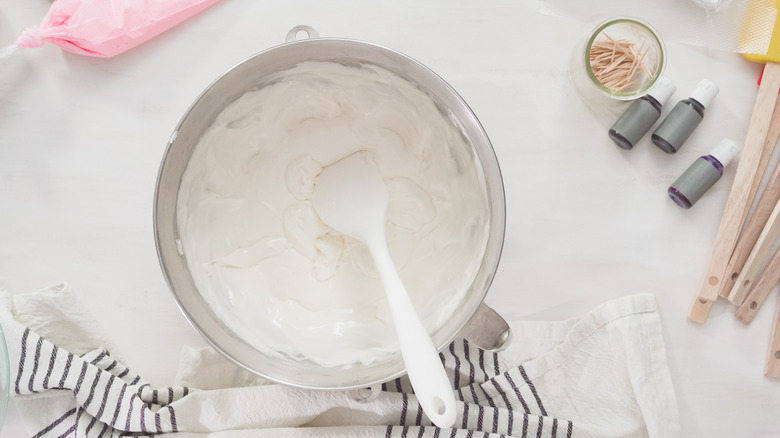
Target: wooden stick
pixel 757 257
pixel 752 164
pixel 773 354
pixel 601 57
pixel 700 310
pixel 614 47
pixel 615 63
pixel 758 218
pixel 642 63
pixel 760 291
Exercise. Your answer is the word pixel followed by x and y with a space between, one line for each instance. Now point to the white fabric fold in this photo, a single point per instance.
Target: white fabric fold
pixel 603 374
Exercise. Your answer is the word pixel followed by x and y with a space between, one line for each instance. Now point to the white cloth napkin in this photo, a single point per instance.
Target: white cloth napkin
pixel 603 374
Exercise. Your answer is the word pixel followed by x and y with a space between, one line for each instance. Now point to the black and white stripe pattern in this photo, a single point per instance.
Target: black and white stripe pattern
pixel 109 399
pixel 492 402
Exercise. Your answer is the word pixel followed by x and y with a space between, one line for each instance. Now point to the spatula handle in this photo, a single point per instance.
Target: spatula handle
pixel 756 221
pixel 758 256
pixel 429 379
pixel 752 163
pixel 760 291
pixel 773 352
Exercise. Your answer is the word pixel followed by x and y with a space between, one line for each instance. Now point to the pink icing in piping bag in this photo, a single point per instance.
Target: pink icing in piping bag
pixel 105 28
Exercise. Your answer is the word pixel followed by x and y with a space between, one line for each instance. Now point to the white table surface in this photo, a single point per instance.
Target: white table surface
pixel 81 140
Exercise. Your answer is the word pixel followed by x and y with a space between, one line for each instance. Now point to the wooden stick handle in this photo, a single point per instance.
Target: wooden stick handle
pixel 757 258
pixel 757 220
pixel 751 167
pixel 700 310
pixel 760 291
pixel 773 353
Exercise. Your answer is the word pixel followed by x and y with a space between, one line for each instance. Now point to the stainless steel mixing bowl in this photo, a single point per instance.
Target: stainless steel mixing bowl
pixel 252 73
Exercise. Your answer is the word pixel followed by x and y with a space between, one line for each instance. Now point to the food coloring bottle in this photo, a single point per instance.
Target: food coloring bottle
pixel 641 115
pixel 703 173
pixel 684 118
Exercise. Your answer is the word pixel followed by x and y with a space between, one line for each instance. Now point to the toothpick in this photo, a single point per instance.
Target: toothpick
pixel 616 62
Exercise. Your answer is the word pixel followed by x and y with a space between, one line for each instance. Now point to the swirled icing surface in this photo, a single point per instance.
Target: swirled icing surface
pixel 272 271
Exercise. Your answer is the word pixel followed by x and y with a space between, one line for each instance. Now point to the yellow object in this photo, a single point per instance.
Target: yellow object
pixel 759 38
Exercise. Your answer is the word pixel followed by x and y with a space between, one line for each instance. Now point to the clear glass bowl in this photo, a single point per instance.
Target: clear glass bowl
pixel 630 38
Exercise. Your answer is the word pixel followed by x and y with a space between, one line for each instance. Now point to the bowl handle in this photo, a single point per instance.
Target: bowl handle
pixel 296 31
pixel 487 330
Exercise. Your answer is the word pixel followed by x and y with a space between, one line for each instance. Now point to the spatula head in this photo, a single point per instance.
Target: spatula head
pixel 350 196
pixel 759 38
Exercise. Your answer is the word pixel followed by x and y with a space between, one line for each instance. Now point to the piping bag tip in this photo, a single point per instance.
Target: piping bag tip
pixel 7 51
pixel 30 38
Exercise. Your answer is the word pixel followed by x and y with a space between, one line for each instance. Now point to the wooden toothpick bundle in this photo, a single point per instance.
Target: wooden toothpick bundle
pixel 616 62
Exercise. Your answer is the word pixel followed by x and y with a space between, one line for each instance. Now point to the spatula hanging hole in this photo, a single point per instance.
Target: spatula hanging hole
pixel 777 354
pixel 753 305
pixel 439 406
pixel 746 283
pixel 734 276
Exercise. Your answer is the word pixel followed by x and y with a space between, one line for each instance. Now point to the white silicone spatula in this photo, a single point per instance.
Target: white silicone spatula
pixel 350 196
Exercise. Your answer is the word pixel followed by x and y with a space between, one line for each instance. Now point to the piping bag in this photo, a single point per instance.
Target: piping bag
pixel 104 28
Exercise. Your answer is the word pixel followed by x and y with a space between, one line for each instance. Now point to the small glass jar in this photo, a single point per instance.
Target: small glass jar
pixel 605 61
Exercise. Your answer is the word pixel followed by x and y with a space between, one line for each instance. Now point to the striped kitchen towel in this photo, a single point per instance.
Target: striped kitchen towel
pixel 603 374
